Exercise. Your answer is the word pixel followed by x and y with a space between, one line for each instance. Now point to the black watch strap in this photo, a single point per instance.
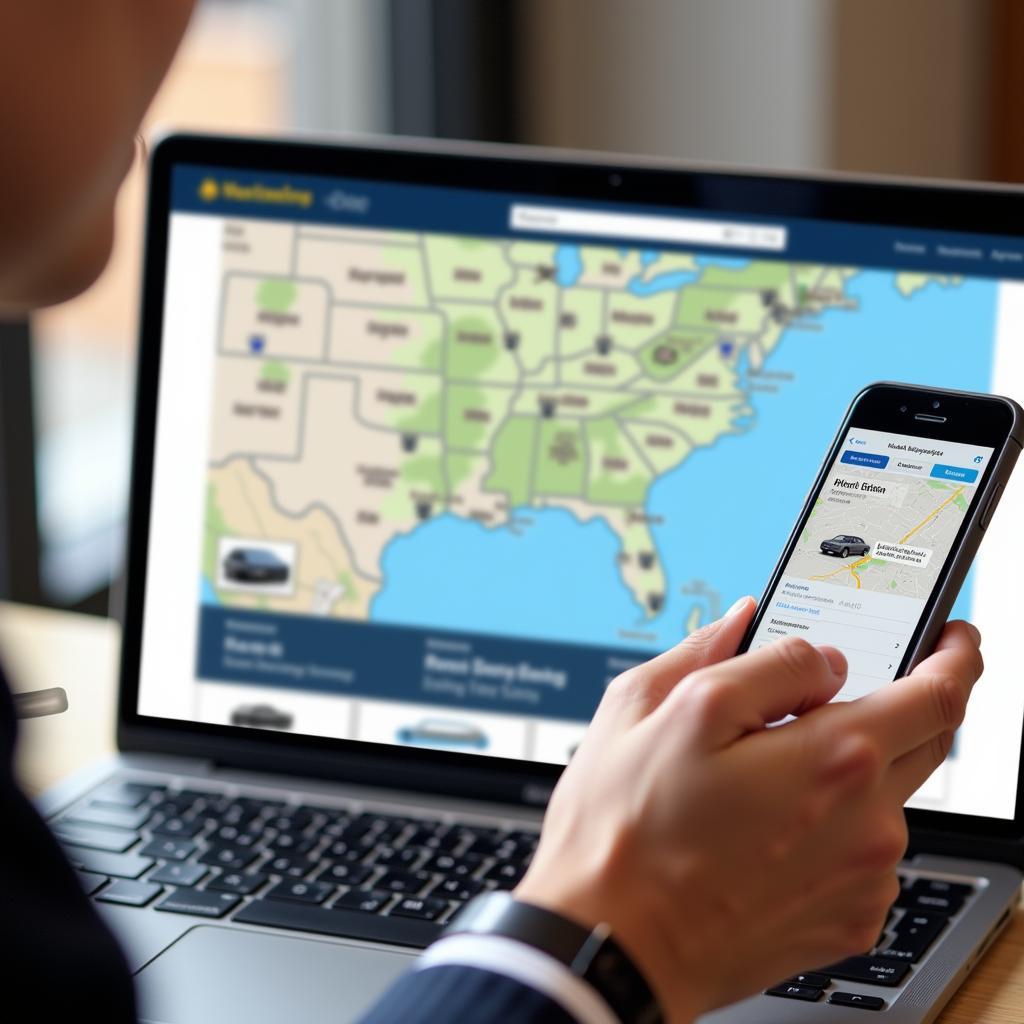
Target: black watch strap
pixel 591 954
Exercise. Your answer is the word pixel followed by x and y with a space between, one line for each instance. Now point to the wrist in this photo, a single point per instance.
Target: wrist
pixel 592 955
pixel 638 933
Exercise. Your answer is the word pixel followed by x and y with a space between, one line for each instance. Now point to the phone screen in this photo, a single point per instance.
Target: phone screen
pixel 872 549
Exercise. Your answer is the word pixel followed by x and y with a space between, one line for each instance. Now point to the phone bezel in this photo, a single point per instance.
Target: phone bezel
pixel 983 420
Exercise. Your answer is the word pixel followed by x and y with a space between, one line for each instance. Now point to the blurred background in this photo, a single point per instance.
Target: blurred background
pixel 922 87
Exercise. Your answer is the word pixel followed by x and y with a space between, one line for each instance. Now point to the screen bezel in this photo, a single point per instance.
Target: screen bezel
pixel 655 184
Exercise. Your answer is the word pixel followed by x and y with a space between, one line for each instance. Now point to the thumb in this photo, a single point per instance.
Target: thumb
pixel 633 695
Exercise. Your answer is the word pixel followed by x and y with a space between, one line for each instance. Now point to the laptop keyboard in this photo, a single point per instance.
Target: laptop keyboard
pixel 352 872
pixel 340 870
pixel 921 913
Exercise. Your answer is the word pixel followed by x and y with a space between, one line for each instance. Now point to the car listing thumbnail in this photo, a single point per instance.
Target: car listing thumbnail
pixel 872 549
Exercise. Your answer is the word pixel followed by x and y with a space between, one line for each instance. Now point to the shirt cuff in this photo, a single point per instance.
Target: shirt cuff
pixel 528 966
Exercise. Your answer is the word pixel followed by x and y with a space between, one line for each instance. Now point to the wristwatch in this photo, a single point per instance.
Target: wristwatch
pixel 591 954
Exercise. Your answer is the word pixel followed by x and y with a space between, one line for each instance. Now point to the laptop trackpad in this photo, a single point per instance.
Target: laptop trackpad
pixel 218 975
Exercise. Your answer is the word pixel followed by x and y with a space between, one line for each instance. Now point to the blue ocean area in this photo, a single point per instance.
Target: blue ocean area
pixel 207 595
pixel 552 578
pixel 727 510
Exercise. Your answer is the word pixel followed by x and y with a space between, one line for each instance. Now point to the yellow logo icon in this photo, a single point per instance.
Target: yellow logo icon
pixel 209 190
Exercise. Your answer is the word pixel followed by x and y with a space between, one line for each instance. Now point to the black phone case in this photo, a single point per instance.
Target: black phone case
pixel 980 513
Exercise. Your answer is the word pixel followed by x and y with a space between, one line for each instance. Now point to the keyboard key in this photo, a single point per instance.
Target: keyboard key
pixel 409 882
pixel 297 866
pixel 406 857
pixel 241 882
pixel 180 827
pixel 165 848
pixel 131 894
pixel 812 979
pixel 291 843
pixel 369 901
pixel 178 874
pixel 856 999
pixel 869 969
pixel 202 903
pixel 91 881
pixel 453 866
pixel 506 873
pixel 171 808
pixel 351 924
pixel 424 908
pixel 342 850
pixel 120 865
pixel 804 992
pixel 484 846
pixel 445 840
pixel 913 934
pixel 230 858
pixel 347 873
pixel 935 894
pixel 458 888
pixel 232 835
pixel 126 794
pixel 303 892
pixel 113 817
pixel 196 796
pixel 110 839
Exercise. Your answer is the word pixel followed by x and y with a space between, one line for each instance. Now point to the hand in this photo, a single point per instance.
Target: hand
pixel 727 856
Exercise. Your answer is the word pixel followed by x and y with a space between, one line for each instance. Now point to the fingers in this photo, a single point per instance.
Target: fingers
pixel 912 712
pixel 636 693
pixel 731 699
pixel 909 772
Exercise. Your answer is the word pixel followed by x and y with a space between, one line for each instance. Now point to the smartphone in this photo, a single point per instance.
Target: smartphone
pixel 890 528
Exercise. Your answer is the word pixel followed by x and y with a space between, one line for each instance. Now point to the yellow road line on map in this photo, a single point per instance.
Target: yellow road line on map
pixel 842 568
pixel 903 540
pixel 929 518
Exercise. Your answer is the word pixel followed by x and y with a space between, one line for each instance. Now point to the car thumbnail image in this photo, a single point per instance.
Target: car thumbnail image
pixel 443 732
pixel 255 565
pixel 263 566
pixel 261 716
pixel 844 545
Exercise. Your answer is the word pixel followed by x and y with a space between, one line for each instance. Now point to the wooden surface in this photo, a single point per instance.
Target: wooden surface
pixel 43 648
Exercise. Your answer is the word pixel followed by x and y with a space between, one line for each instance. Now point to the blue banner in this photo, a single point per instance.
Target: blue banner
pixel 396 663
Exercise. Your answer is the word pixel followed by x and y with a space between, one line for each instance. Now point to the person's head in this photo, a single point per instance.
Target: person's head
pixel 75 81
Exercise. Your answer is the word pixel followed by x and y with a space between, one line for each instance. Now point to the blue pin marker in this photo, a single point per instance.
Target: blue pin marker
pixel 725 347
pixel 256 344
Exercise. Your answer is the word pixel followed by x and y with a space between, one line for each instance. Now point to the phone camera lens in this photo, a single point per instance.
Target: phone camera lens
pixel 936 404
pixel 615 180
pixel 903 408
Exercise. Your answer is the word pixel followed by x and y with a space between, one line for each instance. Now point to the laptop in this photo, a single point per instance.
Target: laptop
pixel 433 441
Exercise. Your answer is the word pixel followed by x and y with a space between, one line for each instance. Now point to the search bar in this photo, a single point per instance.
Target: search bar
pixel 566 221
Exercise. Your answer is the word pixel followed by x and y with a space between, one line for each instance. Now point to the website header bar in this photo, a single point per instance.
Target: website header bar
pixel 344 202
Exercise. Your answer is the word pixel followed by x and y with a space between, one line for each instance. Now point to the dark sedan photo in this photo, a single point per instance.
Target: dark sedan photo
pixel 844 545
pixel 255 565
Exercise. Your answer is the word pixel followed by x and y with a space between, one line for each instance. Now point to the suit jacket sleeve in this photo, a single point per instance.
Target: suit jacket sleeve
pixel 59 959
pixel 457 994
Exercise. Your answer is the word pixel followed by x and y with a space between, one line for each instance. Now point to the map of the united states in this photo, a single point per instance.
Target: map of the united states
pixel 368 382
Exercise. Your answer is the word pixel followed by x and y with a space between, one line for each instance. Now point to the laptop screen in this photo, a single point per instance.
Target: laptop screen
pixel 434 464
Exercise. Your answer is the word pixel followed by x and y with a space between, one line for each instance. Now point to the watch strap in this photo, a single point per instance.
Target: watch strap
pixel 590 953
